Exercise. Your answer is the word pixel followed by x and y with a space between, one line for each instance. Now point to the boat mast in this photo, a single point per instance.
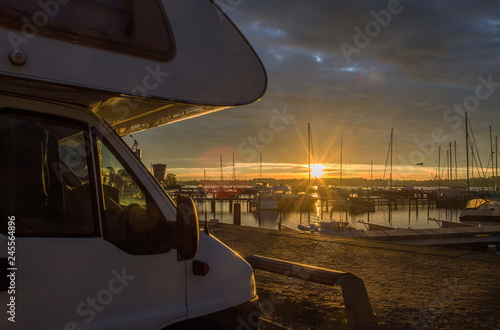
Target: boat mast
pixel 309 152
pixel 221 173
pixel 371 175
pixel 447 167
pixel 439 168
pixel 491 157
pixel 450 168
pixel 456 164
pixel 392 137
pixel 260 173
pixel 389 154
pixel 206 231
pixel 340 163
pixel 467 149
pixel 473 160
pixel 234 173
pixel 496 163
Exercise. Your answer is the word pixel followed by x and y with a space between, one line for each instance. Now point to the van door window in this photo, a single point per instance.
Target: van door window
pixel 132 220
pixel 44 177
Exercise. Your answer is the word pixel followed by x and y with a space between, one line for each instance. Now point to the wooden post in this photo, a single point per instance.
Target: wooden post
pixel 357 304
pixel 390 213
pixel 428 207
pixel 258 210
pixel 409 209
pixel 237 214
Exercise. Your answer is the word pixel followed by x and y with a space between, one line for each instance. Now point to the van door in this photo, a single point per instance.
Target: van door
pixel 87 246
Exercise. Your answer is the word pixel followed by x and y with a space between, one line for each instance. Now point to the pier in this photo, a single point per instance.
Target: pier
pixel 384 214
pixel 485 238
pixel 329 198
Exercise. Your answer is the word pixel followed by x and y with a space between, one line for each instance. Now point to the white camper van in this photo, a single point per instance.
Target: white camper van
pixel 88 238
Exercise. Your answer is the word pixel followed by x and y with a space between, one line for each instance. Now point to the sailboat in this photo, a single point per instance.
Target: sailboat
pixel 457 195
pixel 479 210
pixel 264 199
pixel 306 201
pixel 226 192
pixel 389 156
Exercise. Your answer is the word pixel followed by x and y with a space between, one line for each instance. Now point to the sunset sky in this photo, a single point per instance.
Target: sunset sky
pixel 353 70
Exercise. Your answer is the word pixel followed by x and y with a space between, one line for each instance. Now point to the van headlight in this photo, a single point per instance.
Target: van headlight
pixel 253 287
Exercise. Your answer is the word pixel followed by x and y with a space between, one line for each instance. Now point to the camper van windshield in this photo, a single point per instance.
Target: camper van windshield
pixel 131 26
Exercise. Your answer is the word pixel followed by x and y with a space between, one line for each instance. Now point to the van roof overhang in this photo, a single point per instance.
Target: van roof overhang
pixel 126 114
pixel 212 66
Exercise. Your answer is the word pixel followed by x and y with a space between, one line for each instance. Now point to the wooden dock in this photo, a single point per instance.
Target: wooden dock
pixel 451 224
pixel 373 227
pixel 486 236
pixel 417 233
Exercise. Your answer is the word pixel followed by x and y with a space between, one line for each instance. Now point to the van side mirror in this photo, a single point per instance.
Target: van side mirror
pixel 187 221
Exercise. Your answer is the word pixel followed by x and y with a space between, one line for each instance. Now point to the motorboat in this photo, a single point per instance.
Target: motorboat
pixel 485 210
pixel 265 200
pixel 286 199
pixel 354 205
pixel 327 226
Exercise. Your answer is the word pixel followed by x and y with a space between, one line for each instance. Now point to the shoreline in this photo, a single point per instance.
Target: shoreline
pixel 412 287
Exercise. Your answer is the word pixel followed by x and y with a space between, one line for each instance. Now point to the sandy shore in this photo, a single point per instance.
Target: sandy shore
pixel 410 287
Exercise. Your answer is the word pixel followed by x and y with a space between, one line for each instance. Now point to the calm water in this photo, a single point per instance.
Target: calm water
pixel 402 217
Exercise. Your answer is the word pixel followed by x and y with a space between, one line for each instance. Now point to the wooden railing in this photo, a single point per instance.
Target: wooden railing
pixel 357 305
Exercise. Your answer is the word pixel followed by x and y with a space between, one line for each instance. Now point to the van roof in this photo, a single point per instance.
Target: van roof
pixel 138 65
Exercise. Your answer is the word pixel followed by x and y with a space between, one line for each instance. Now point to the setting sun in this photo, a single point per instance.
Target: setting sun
pixel 317 170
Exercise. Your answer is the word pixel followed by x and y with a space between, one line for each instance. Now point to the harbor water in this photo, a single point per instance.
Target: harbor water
pixel 400 216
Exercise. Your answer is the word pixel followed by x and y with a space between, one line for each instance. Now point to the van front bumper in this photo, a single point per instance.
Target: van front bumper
pixel 245 317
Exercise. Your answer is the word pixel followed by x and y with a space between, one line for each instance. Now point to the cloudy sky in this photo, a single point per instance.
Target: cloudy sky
pixel 353 70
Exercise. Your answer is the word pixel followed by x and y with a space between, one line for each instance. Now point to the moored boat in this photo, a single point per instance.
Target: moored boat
pixel 265 200
pixel 286 200
pixel 483 210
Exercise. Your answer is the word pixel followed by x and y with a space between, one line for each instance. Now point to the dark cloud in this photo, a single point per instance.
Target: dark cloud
pixel 429 57
pixel 429 39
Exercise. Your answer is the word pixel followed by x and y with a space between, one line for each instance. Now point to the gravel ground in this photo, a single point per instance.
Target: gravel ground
pixel 410 287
